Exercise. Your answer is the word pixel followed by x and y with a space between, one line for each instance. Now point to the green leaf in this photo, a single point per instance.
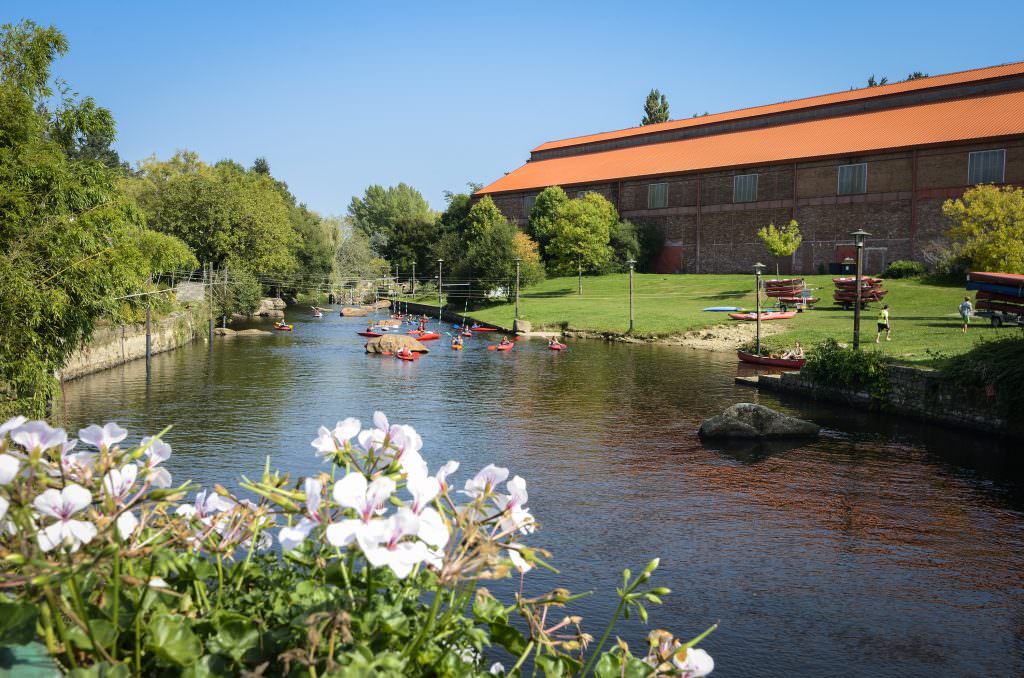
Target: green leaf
pixel 208 666
pixel 17 622
pixel 508 637
pixel 489 609
pixel 608 666
pixel 235 635
pixel 172 640
pixel 102 670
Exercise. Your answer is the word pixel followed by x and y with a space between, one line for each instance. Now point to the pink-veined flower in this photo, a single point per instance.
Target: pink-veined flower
pixel 157 452
pixel 513 506
pixel 432 529
pixel 75 463
pixel 366 499
pixel 126 524
pixel 62 504
pixel 102 437
pixel 693 662
pixel 205 506
pixel 484 482
pixel 291 536
pixel 330 441
pixel 119 482
pixel 443 473
pixel 38 436
pixel 387 543
pixel 10 425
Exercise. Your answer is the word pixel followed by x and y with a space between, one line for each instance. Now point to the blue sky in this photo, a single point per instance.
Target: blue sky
pixel 338 96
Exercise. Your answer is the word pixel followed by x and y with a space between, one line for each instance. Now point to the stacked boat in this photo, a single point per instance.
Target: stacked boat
pixel 789 292
pixel 845 294
pixel 998 292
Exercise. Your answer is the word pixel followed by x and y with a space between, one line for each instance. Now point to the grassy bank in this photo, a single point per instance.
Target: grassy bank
pixel 924 316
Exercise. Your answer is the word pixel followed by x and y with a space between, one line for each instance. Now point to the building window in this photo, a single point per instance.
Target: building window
pixel 744 188
pixel 986 167
pixel 528 201
pixel 580 194
pixel 657 196
pixel 853 179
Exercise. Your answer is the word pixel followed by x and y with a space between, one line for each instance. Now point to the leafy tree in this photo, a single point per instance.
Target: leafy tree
pixel 261 166
pixel 531 268
pixel 542 216
pixel 655 108
pixel 354 258
pixel 580 234
pixel 988 228
pixel 399 223
pixel 916 75
pixel 625 245
pixel 781 241
pixel 489 245
pixel 652 239
pixel 877 83
pixel 317 244
pixel 72 244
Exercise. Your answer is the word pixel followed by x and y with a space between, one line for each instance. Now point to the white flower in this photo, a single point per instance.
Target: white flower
pixel 432 528
pixel 119 482
pixel 38 436
pixel 423 490
pixel 380 421
pixel 518 561
pixel 126 524
pixel 516 515
pixel 205 506
pixel 367 500
pixel 78 462
pixel 157 583
pixel 102 438
pixel 497 669
pixel 346 429
pixel 485 481
pixel 386 544
pixel 4 505
pixel 443 473
pixel 10 425
pixel 292 536
pixel 693 663
pixel 157 452
pixel 62 505
pixel 8 468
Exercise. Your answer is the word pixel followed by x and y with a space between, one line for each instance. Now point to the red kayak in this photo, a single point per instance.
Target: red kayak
pixel 796 363
pixel 484 329
pixel 771 315
pixel 500 347
pixel 414 332
pixel 370 334
pixel 410 356
pixel 467 333
pixel 557 347
pixel 428 336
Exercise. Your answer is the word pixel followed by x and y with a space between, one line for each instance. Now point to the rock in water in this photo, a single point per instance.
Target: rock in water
pixel 353 311
pixel 252 333
pixel 747 420
pixel 390 343
pixel 224 331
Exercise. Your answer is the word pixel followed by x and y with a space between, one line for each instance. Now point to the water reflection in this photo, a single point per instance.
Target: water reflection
pixel 885 548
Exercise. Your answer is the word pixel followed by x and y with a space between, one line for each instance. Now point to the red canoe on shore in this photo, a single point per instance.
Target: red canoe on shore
pixel 771 315
pixel 795 363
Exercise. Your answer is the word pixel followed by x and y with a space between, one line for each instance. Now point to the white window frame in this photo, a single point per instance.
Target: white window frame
pixel 1002 168
pixel 736 185
pixel 839 178
pixel 651 191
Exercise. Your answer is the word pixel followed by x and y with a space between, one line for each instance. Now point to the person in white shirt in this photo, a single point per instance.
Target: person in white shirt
pixel 966 310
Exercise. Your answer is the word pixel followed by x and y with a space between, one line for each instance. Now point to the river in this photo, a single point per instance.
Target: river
pixel 885 548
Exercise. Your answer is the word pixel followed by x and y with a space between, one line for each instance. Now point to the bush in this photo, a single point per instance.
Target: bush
pixel 998 362
pixel 905 268
pixel 109 568
pixel 830 364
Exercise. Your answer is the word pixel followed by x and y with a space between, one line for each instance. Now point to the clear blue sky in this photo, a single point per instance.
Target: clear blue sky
pixel 338 96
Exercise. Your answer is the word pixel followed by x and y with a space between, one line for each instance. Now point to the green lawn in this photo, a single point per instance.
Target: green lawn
pixel 924 316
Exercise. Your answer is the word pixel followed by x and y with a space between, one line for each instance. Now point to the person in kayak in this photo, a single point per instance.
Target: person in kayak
pixel 456 341
pixel 505 341
pixel 796 353
pixel 405 352
pixel 883 324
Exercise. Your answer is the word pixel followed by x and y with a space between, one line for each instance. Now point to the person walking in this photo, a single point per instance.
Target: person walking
pixel 884 324
pixel 966 310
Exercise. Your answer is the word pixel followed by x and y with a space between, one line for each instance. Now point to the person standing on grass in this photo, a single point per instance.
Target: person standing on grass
pixel 883 324
pixel 966 310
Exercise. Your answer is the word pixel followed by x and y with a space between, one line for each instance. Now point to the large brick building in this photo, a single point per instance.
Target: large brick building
pixel 882 158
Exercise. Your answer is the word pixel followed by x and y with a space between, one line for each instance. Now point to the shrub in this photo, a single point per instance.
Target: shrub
pixel 905 268
pixel 830 364
pixel 378 573
pixel 998 362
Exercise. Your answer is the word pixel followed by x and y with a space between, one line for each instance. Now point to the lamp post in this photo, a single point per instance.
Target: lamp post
pixel 518 262
pixel 440 262
pixel 858 240
pixel 758 269
pixel 413 293
pixel 579 275
pixel 632 263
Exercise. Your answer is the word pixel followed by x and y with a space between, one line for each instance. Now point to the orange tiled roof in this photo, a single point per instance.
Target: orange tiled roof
pixel 975 75
pixel 947 121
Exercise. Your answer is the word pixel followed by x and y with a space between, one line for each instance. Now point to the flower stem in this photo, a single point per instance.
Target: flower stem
pixel 604 636
pixel 522 658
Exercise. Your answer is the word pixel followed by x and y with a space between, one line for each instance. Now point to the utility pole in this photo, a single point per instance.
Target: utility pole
pixel 518 262
pixel 208 281
pixel 413 293
pixel 858 239
pixel 758 267
pixel 440 262
pixel 579 276
pixel 149 340
pixel 631 263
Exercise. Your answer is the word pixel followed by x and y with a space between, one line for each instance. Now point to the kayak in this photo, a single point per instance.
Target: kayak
pixel 484 329
pixel 773 315
pixel 466 333
pixel 428 336
pixel 369 334
pixel 723 308
pixel 318 314
pixel 557 347
pixel 284 328
pixel 456 347
pixel 415 333
pixel 500 347
pixel 401 356
pixel 774 362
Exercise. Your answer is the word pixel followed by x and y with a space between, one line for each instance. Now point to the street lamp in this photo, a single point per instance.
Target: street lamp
pixel 579 274
pixel 413 292
pixel 858 241
pixel 632 263
pixel 758 269
pixel 518 262
pixel 440 263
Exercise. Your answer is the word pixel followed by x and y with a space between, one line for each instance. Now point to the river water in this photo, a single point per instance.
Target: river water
pixel 885 548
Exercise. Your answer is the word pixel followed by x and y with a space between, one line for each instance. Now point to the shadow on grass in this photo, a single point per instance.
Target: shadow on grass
pixel 731 294
pixel 565 291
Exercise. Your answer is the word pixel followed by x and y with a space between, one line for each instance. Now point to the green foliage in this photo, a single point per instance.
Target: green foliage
pixel 542 216
pixel 27 53
pixel 830 364
pixel 625 245
pixel 317 244
pixel 399 223
pixel 905 268
pixel 877 83
pixel 988 228
pixel 999 362
pixel 655 108
pixel 354 257
pixel 652 239
pixel 489 246
pixel 531 268
pixel 580 234
pixel 781 241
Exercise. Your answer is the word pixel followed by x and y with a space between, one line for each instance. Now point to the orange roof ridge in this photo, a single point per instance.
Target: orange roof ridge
pixel 840 96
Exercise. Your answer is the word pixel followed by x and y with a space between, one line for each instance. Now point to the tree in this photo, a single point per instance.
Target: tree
pixel 916 75
pixel 625 246
pixel 399 223
pixel 489 245
pixel 531 268
pixel 988 228
pixel 542 216
pixel 781 241
pixel 354 258
pixel 316 246
pixel 655 108
pixel 877 83
pixel 261 166
pixel 580 234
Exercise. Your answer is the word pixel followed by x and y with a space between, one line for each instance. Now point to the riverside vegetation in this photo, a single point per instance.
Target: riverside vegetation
pixel 379 568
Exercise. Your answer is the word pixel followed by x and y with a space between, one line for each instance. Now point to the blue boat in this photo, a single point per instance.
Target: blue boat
pixel 723 308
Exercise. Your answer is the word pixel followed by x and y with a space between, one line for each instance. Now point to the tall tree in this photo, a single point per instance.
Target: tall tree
pixel 261 166
pixel 489 244
pixel 399 223
pixel 542 216
pixel 655 108
pixel 988 227
pixel 580 234
pixel 877 83
pixel 916 75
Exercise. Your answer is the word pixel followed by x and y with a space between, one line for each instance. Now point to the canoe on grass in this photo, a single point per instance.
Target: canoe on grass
pixel 755 359
pixel 772 315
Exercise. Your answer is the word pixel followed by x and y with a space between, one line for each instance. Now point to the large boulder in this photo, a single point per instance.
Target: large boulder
pixel 224 331
pixel 270 307
pixel 391 343
pixel 389 322
pixel 747 420
pixel 349 311
pixel 252 333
